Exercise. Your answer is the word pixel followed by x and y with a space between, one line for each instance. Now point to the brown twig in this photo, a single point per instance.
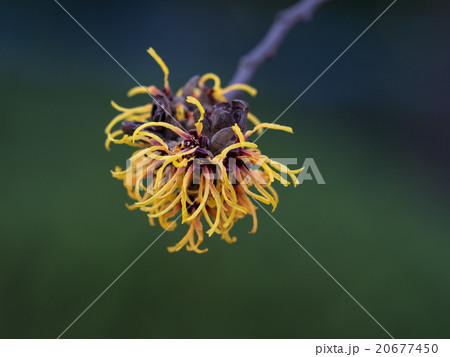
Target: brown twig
pixel 302 11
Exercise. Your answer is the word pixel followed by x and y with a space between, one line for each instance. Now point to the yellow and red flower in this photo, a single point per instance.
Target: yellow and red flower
pixel 194 157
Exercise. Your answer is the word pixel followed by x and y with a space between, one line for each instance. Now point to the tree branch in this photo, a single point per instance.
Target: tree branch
pixel 302 11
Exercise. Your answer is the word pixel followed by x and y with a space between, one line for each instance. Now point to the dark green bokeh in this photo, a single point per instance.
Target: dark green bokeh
pixel 376 124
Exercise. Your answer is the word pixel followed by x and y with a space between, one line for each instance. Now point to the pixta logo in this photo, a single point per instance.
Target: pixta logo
pixel 150 173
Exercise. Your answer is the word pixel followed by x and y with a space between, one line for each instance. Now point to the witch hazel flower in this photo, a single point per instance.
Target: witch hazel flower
pixel 194 157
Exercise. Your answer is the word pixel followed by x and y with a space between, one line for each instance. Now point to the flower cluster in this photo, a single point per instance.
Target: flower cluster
pixel 194 157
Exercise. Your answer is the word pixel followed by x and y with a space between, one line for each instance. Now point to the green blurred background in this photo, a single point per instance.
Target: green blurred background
pixel 376 124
